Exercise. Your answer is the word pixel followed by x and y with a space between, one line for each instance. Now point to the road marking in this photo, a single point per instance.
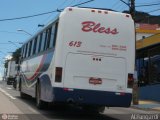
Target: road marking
pixel 7 94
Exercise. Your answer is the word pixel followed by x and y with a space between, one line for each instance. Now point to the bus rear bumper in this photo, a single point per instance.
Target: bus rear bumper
pixel 92 97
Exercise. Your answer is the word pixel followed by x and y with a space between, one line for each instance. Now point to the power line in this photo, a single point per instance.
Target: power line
pixel 143 3
pixel 35 15
pixel 10 32
pixel 79 1
pixel 125 3
pixel 5 43
pixel 17 18
pixel 71 2
pixel 116 2
pixel 83 3
pixel 153 10
pixel 148 5
pixel 62 3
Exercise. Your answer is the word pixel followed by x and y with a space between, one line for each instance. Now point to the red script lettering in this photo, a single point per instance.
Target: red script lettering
pixel 90 26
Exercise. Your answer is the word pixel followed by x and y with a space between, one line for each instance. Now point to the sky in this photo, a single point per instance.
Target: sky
pixel 20 8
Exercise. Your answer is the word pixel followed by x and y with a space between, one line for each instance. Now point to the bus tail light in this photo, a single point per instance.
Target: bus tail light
pixel 92 10
pixel 58 74
pixel 106 12
pixel 127 15
pixel 130 80
pixel 70 9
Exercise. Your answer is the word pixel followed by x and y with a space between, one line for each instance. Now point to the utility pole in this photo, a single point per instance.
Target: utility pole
pixel 135 84
pixel 132 9
pixel 131 5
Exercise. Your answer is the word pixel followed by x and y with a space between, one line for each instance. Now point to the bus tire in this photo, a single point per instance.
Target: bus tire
pixel 39 103
pixel 23 95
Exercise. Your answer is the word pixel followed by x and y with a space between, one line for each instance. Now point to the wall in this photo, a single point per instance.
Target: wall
pixel 150 92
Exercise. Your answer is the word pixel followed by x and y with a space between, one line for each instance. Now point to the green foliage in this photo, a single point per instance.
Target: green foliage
pixel 16 55
pixel 6 64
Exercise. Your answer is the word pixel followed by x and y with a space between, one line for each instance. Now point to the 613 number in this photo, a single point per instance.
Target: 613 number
pixel 75 44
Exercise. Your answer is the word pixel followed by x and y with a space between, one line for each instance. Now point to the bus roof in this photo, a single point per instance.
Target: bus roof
pixel 78 8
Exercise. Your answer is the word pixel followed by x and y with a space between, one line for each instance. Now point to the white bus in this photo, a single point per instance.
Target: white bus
pixel 85 57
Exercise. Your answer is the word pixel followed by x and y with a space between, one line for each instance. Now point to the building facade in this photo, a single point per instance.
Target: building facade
pixel 148 60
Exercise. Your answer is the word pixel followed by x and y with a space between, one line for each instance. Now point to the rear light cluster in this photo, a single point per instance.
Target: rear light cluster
pixel 92 10
pixel 127 15
pixel 70 9
pixel 58 74
pixel 130 80
pixel 100 11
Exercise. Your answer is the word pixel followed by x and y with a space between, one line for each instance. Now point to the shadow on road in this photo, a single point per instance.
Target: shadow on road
pixel 61 112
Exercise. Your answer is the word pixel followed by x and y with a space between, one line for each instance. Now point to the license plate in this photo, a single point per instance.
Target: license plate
pixel 95 81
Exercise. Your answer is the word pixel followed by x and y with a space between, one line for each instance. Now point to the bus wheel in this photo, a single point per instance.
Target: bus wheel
pixel 23 95
pixel 39 103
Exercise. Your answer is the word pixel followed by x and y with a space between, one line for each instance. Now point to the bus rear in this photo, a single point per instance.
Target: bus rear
pixel 95 56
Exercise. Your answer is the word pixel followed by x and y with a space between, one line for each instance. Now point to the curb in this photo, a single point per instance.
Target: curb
pixel 146 109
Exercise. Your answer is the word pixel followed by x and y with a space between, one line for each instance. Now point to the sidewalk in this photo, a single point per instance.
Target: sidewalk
pixel 145 104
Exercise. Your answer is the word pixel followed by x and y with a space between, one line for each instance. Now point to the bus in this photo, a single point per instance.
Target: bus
pixel 85 57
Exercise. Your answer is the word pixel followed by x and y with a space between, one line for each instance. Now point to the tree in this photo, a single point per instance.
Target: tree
pixel 6 64
pixel 16 55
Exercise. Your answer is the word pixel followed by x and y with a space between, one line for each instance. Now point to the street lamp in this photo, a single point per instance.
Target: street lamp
pixel 21 43
pixel 24 31
pixel 40 25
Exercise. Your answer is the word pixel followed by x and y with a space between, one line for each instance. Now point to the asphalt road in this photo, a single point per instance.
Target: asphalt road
pixel 25 109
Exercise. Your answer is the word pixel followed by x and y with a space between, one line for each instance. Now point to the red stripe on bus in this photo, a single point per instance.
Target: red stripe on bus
pixel 38 69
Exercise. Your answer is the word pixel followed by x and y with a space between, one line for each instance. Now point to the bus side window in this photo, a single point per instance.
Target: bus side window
pixel 43 41
pixel 53 35
pixel 29 48
pixel 39 41
pixel 48 37
pixel 26 49
pixel 22 51
pixel 31 53
pixel 34 46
